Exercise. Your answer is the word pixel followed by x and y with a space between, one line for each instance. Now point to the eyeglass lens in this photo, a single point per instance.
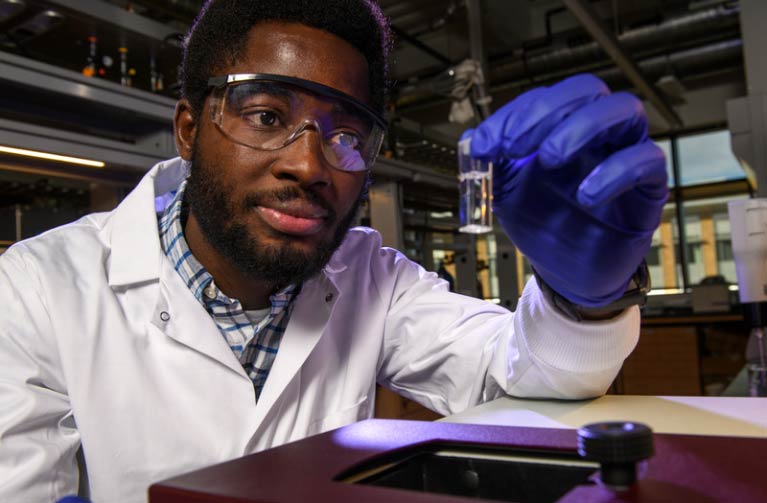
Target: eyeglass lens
pixel 270 115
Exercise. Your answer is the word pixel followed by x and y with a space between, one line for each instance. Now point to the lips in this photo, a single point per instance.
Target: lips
pixel 295 217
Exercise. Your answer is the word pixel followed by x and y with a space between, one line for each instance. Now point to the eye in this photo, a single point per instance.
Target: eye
pixel 267 118
pixel 261 118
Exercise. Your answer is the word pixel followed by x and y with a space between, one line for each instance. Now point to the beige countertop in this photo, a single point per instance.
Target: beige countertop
pixel 728 416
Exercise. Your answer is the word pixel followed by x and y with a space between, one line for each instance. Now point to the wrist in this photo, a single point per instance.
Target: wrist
pixel 635 294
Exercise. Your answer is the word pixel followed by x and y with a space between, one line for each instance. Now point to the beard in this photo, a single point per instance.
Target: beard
pixel 212 202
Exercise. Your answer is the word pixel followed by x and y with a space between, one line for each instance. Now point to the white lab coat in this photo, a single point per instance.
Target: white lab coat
pixel 103 346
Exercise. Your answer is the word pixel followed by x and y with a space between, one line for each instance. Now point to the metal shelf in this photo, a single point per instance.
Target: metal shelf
pixel 66 84
pixel 47 104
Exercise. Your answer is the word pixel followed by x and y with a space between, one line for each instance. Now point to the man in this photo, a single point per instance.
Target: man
pixel 215 316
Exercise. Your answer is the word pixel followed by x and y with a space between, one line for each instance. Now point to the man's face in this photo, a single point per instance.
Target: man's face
pixel 278 215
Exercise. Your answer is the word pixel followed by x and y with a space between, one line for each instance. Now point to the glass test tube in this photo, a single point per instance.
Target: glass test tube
pixel 476 191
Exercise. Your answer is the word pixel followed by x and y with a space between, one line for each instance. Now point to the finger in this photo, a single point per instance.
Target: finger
pixel 504 174
pixel 617 120
pixel 491 138
pixel 639 167
pixel 518 128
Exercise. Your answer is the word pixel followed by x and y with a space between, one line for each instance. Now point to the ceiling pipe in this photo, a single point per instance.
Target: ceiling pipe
pixel 684 64
pixel 712 58
pixel 408 172
pixel 719 56
pixel 668 35
pixel 593 24
pixel 439 22
pixel 423 47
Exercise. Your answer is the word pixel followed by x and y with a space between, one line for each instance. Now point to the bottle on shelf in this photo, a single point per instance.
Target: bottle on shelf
pixel 156 84
pixel 89 70
pixel 126 73
pixel 95 66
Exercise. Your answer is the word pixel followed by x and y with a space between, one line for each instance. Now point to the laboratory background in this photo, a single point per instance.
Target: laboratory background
pixel 88 89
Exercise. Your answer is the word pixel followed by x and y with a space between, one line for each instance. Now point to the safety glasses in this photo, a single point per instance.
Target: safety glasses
pixel 269 112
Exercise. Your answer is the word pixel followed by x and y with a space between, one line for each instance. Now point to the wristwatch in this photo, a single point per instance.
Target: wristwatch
pixel 636 294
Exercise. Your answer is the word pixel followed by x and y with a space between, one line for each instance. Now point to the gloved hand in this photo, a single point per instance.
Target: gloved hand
pixel 577 185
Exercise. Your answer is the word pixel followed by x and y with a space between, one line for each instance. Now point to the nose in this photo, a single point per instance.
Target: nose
pixel 302 159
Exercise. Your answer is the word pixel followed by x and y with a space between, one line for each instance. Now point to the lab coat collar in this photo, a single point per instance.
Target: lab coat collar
pixel 181 317
pixel 137 257
pixel 308 323
pixel 135 242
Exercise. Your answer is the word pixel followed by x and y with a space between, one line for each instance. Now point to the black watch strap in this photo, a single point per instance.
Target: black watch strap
pixel 636 294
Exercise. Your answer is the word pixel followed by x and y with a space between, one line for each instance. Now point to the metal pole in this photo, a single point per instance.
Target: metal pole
pixel 476 49
pixel 679 213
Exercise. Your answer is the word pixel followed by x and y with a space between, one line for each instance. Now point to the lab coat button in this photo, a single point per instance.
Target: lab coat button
pixel 164 316
pixel 328 297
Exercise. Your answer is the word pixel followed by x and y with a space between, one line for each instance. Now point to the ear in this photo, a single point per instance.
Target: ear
pixel 184 129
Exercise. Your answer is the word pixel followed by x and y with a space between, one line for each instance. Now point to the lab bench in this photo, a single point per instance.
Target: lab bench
pixel 684 415
pixel 684 355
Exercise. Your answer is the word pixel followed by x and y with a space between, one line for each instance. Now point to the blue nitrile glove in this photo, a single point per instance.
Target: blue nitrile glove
pixel 72 499
pixel 577 185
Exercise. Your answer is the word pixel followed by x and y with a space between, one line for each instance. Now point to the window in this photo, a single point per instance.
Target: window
pixel 707 158
pixel 724 257
pixel 710 177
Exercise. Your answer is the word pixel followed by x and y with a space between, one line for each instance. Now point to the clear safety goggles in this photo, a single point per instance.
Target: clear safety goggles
pixel 269 112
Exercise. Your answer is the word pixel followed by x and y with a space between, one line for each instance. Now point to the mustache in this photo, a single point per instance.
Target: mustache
pixel 287 194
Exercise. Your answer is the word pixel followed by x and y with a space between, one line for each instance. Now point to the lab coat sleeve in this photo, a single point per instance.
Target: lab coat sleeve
pixel 38 439
pixel 450 352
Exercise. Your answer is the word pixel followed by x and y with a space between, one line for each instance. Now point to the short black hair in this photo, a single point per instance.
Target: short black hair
pixel 219 34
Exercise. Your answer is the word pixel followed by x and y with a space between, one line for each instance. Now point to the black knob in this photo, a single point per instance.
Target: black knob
pixel 617 446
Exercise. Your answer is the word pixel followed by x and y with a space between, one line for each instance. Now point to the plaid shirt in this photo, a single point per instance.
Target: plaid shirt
pixel 254 344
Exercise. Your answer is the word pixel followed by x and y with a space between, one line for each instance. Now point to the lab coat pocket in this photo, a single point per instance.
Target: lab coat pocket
pixel 348 415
